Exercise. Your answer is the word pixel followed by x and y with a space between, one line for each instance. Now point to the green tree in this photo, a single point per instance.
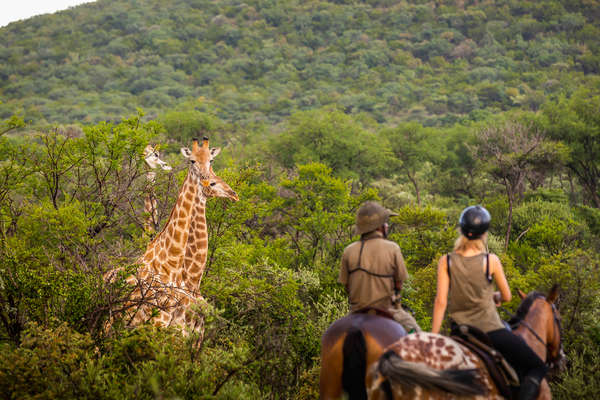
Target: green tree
pixel 509 151
pixel 576 123
pixel 410 145
pixel 317 213
pixel 334 139
pixel 183 126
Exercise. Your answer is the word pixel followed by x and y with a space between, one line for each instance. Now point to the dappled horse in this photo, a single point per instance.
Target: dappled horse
pixel 348 347
pixel 431 366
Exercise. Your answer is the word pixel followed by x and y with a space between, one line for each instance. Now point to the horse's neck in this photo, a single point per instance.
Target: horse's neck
pixel 539 324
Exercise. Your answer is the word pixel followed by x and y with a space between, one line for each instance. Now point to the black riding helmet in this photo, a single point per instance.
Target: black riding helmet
pixel 474 221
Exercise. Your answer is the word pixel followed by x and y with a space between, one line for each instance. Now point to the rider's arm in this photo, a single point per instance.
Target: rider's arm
pixel 500 278
pixel 441 297
pixel 343 276
pixel 400 272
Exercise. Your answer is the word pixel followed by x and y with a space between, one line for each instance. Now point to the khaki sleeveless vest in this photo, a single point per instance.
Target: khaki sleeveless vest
pixel 470 298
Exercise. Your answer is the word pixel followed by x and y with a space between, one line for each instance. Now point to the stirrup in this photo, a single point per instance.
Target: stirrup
pixel 530 388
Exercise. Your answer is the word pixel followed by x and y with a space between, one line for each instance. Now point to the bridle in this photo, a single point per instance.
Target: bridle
pixel 552 362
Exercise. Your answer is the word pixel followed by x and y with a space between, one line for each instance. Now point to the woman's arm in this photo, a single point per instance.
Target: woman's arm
pixel 441 297
pixel 498 274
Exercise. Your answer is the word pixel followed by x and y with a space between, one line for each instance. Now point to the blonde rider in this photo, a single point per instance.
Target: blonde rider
pixel 464 286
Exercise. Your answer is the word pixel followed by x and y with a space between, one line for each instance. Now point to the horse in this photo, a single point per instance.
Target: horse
pixel 348 347
pixel 430 366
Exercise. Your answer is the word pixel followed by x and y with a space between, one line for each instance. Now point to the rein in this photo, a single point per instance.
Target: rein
pixel 551 362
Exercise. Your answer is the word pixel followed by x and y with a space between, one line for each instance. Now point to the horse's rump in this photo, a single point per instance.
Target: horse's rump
pixel 348 347
pixel 433 362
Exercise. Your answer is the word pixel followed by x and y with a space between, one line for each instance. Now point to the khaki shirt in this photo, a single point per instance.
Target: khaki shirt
pixel 379 256
pixel 471 295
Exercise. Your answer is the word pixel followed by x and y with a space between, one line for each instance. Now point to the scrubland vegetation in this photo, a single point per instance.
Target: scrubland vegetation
pixel 424 106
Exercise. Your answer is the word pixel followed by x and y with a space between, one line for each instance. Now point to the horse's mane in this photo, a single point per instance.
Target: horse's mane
pixel 524 307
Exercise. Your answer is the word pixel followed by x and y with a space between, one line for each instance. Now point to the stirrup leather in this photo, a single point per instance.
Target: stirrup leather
pixel 501 372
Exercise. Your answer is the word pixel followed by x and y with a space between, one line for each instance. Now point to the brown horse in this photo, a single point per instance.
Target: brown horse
pixel 348 347
pixel 431 366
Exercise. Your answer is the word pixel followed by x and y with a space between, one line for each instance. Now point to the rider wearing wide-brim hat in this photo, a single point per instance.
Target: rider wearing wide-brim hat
pixel 373 269
pixel 465 286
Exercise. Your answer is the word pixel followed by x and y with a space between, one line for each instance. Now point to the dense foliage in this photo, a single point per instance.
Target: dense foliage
pixel 71 208
pixel 424 106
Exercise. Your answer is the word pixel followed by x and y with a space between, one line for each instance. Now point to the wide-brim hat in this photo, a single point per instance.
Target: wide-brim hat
pixel 370 216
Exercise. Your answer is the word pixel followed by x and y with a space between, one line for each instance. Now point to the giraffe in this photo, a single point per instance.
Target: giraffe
pixel 197 245
pixel 152 160
pixel 162 291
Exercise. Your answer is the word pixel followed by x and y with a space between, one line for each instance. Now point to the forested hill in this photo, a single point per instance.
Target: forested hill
pixel 433 61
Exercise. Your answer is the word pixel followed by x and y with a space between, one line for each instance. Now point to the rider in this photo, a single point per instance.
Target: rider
pixel 464 284
pixel 373 268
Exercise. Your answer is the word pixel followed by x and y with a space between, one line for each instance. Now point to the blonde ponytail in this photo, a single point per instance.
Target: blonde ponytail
pixel 463 244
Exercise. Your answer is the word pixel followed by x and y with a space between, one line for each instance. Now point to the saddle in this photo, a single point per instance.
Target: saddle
pixel 375 311
pixel 503 375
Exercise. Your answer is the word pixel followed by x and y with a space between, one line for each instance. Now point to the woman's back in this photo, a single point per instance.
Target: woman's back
pixel 471 292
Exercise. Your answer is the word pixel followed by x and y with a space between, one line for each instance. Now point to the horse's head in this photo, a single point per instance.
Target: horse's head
pixel 546 327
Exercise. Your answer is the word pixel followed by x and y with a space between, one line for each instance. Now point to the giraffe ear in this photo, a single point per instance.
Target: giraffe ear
pixel 214 152
pixel 186 152
pixel 522 294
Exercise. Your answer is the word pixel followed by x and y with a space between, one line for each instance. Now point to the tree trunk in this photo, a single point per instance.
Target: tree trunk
pixel 414 182
pixel 595 198
pixel 587 178
pixel 510 211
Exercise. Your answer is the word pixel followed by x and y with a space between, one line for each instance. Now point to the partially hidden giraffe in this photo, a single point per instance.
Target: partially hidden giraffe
pixel 167 280
pixel 153 161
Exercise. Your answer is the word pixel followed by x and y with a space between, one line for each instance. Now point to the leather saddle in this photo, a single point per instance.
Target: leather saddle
pixel 375 311
pixel 503 375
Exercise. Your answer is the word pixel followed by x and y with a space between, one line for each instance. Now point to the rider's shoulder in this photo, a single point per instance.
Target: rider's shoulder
pixel 389 243
pixel 352 245
pixel 494 258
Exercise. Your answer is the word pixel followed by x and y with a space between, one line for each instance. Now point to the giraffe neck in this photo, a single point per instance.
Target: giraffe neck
pixel 151 176
pixel 197 245
pixel 164 255
pixel 150 204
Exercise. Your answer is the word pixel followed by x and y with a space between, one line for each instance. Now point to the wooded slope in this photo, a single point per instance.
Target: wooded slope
pixel 435 62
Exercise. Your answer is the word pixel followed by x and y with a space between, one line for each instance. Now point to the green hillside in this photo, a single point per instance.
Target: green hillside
pixel 434 62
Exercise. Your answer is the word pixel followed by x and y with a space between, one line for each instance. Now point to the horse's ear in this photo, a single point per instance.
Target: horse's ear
pixel 522 295
pixel 553 294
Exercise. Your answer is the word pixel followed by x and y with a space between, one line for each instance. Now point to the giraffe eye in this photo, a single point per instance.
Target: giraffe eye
pixel 213 183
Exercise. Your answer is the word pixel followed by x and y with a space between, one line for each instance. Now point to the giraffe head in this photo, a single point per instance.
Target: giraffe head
pixel 217 187
pixel 200 156
pixel 152 159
